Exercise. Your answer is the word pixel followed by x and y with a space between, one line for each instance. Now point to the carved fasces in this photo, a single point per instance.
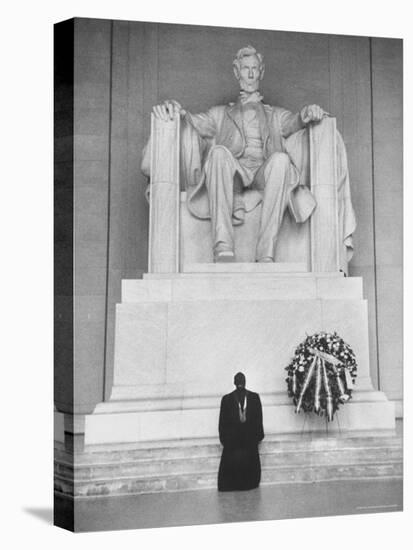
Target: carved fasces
pixel 323 178
pixel 164 196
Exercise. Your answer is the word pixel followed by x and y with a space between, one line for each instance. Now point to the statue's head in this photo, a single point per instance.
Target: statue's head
pixel 248 68
pixel 239 381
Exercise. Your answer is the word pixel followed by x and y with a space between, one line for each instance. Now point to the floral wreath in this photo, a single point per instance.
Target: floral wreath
pixel 322 374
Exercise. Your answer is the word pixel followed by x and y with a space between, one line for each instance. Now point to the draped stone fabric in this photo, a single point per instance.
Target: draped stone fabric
pixel 240 467
pixel 223 125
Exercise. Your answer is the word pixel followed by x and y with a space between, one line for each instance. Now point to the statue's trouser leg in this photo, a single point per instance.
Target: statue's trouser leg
pixel 220 169
pixel 274 178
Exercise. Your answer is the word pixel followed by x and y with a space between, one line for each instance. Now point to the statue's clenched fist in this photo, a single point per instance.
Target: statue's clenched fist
pixel 312 113
pixel 168 109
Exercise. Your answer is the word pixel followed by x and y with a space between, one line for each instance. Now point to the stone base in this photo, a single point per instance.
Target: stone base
pixel 181 338
pixel 125 421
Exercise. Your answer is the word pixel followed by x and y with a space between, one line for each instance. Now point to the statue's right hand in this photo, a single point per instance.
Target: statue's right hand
pixel 168 109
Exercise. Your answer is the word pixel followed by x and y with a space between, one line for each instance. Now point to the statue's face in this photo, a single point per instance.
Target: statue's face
pixel 249 73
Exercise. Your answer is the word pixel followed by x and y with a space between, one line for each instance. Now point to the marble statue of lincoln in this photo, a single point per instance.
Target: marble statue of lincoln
pixel 246 161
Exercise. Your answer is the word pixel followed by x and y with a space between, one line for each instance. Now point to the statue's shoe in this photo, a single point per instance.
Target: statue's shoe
pixel 224 256
pixel 266 260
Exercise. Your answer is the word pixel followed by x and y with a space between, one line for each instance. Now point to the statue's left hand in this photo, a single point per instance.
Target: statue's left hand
pixel 312 113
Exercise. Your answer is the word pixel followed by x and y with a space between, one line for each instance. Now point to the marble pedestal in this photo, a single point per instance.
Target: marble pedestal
pixel 180 338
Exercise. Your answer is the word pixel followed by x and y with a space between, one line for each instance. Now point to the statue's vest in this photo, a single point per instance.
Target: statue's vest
pixel 228 120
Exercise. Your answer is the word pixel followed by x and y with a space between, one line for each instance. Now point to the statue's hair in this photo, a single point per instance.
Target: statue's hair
pixel 246 52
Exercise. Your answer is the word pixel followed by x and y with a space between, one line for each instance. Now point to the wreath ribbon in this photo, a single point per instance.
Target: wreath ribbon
pixel 318 368
pixel 306 383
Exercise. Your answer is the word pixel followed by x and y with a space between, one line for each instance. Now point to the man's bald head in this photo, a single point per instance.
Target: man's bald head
pixel 239 380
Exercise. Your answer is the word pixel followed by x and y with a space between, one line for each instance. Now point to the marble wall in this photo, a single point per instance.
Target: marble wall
pixel 63 215
pixel 387 126
pixel 122 68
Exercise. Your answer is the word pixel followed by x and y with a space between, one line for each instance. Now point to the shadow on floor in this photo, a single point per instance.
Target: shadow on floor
pixel 44 514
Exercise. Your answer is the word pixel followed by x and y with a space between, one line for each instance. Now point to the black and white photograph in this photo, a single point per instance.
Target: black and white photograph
pixel 225 323
pixel 228 274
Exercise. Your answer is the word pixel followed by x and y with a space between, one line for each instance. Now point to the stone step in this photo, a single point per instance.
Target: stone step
pixel 200 461
pixel 332 472
pixel 207 447
pixel 208 479
pixel 191 465
pixel 281 459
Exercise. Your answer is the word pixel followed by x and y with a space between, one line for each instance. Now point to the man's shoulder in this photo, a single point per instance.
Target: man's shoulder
pixel 252 395
pixel 225 397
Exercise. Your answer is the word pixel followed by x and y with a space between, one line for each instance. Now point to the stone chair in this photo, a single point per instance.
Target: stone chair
pixel 178 240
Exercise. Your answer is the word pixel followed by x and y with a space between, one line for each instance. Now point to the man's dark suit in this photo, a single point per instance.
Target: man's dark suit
pixel 240 467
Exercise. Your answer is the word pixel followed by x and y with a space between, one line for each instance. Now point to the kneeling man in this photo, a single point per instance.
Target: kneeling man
pixel 240 431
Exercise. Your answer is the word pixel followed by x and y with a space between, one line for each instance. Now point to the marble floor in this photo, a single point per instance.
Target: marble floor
pixel 265 503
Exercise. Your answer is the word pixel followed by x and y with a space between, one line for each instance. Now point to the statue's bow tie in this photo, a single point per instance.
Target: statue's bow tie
pixel 253 97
